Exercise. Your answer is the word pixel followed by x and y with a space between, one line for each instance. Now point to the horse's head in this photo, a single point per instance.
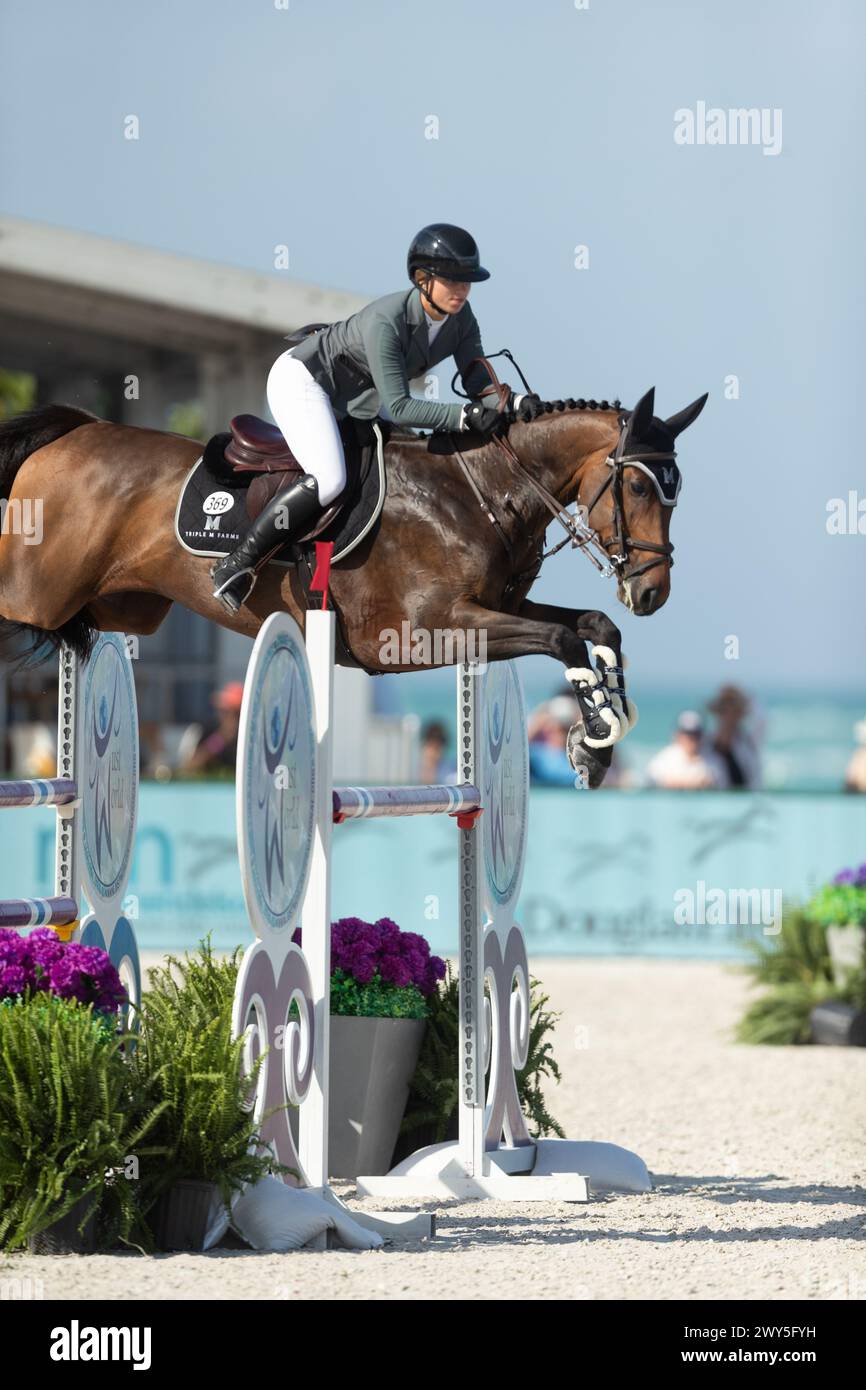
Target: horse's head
pixel 627 495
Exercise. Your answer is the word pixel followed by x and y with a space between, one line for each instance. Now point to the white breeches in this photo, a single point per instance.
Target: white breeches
pixel 303 412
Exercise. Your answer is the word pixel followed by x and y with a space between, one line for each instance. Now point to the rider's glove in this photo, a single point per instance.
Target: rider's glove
pixel 526 407
pixel 478 417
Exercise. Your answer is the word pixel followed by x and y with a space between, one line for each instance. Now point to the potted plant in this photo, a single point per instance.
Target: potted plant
pixel 382 982
pixel 802 1003
pixel 68 1117
pixel 840 907
pixel 189 1061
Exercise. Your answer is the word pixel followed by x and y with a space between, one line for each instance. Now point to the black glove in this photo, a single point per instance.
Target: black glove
pixel 478 417
pixel 529 408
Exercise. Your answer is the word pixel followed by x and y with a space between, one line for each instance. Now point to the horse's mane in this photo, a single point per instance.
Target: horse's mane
pixel 543 408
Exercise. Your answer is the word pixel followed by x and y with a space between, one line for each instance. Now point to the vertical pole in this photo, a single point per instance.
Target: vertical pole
pixel 67 866
pixel 316 913
pixel 471 964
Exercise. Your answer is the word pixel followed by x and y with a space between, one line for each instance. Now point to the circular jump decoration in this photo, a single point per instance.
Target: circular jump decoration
pixel 277 782
pixel 504 783
pixel 108 776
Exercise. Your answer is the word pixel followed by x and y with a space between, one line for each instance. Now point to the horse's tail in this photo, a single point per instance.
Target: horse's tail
pixel 19 438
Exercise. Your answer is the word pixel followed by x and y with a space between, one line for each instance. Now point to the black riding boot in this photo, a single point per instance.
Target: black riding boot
pixel 289 514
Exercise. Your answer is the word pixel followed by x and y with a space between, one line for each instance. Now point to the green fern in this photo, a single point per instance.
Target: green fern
pixel 69 1120
pixel 189 1059
pixel 797 955
pixel 432 1107
pixel 781 1017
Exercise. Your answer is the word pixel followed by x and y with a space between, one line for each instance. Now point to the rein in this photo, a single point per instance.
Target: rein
pixel 578 531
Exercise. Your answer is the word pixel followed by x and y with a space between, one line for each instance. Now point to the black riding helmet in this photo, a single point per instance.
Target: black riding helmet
pixel 447 251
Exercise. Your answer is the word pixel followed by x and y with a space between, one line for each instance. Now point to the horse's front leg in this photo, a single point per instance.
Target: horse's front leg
pixel 508 635
pixel 601 691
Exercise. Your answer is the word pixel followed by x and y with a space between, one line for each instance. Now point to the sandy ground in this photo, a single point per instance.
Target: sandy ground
pixel 758 1157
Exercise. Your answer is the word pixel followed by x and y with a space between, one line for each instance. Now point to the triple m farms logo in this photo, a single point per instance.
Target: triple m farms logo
pixel 738 125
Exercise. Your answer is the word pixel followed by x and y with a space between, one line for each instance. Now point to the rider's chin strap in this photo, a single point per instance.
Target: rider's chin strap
pixel 430 300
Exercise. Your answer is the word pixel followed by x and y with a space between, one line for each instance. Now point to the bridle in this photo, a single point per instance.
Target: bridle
pixel 579 531
pixel 648 461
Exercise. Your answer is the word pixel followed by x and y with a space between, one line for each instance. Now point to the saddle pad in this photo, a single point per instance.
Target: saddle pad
pixel 211 515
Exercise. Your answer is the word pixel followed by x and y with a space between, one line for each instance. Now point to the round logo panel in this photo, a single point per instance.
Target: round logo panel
pixel 276 777
pixel 504 781
pixel 107 773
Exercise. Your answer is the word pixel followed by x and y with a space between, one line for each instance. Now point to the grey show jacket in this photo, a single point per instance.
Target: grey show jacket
pixel 367 360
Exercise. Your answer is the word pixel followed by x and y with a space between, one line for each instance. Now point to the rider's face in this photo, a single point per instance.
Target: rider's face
pixel 449 296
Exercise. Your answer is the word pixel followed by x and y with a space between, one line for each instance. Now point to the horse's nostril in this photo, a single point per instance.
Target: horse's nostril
pixel 648 599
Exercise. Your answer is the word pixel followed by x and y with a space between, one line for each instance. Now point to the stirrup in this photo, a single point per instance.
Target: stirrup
pixel 224 593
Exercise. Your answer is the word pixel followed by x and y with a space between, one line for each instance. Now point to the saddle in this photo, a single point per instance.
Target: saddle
pixel 254 446
pixel 240 469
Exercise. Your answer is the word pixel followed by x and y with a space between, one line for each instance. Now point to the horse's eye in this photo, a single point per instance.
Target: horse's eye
pixel 639 489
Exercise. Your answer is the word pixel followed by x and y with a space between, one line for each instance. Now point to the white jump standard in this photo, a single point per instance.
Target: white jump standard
pixel 95 794
pixel 286 807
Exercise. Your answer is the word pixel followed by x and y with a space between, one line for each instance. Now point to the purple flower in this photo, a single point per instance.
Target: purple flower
pixel 42 963
pixel 366 949
pixel 844 876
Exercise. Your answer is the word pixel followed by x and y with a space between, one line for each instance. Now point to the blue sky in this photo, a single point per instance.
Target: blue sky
pixel 306 126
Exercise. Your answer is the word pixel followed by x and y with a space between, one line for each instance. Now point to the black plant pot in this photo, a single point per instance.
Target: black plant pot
pixel 63 1237
pixel 183 1215
pixel 838 1024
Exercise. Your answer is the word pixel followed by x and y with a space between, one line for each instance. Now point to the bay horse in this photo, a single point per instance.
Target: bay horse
pixel 456 548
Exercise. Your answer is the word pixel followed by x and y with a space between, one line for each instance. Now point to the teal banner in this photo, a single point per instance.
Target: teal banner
pixel 647 873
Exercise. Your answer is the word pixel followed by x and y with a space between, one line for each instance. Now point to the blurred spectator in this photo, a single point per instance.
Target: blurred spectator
pixel 217 749
pixel 689 762
pixel 855 773
pixel 548 728
pixel 433 770
pixel 733 742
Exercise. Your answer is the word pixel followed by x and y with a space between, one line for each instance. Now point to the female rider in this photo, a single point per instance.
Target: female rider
pixel 362 366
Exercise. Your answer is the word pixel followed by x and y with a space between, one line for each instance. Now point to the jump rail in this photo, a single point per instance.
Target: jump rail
pixel 362 803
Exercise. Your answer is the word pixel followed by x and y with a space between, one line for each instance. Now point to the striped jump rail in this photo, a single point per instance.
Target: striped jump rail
pixel 366 803
pixel 53 791
pixel 59 911
pixel 38 912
